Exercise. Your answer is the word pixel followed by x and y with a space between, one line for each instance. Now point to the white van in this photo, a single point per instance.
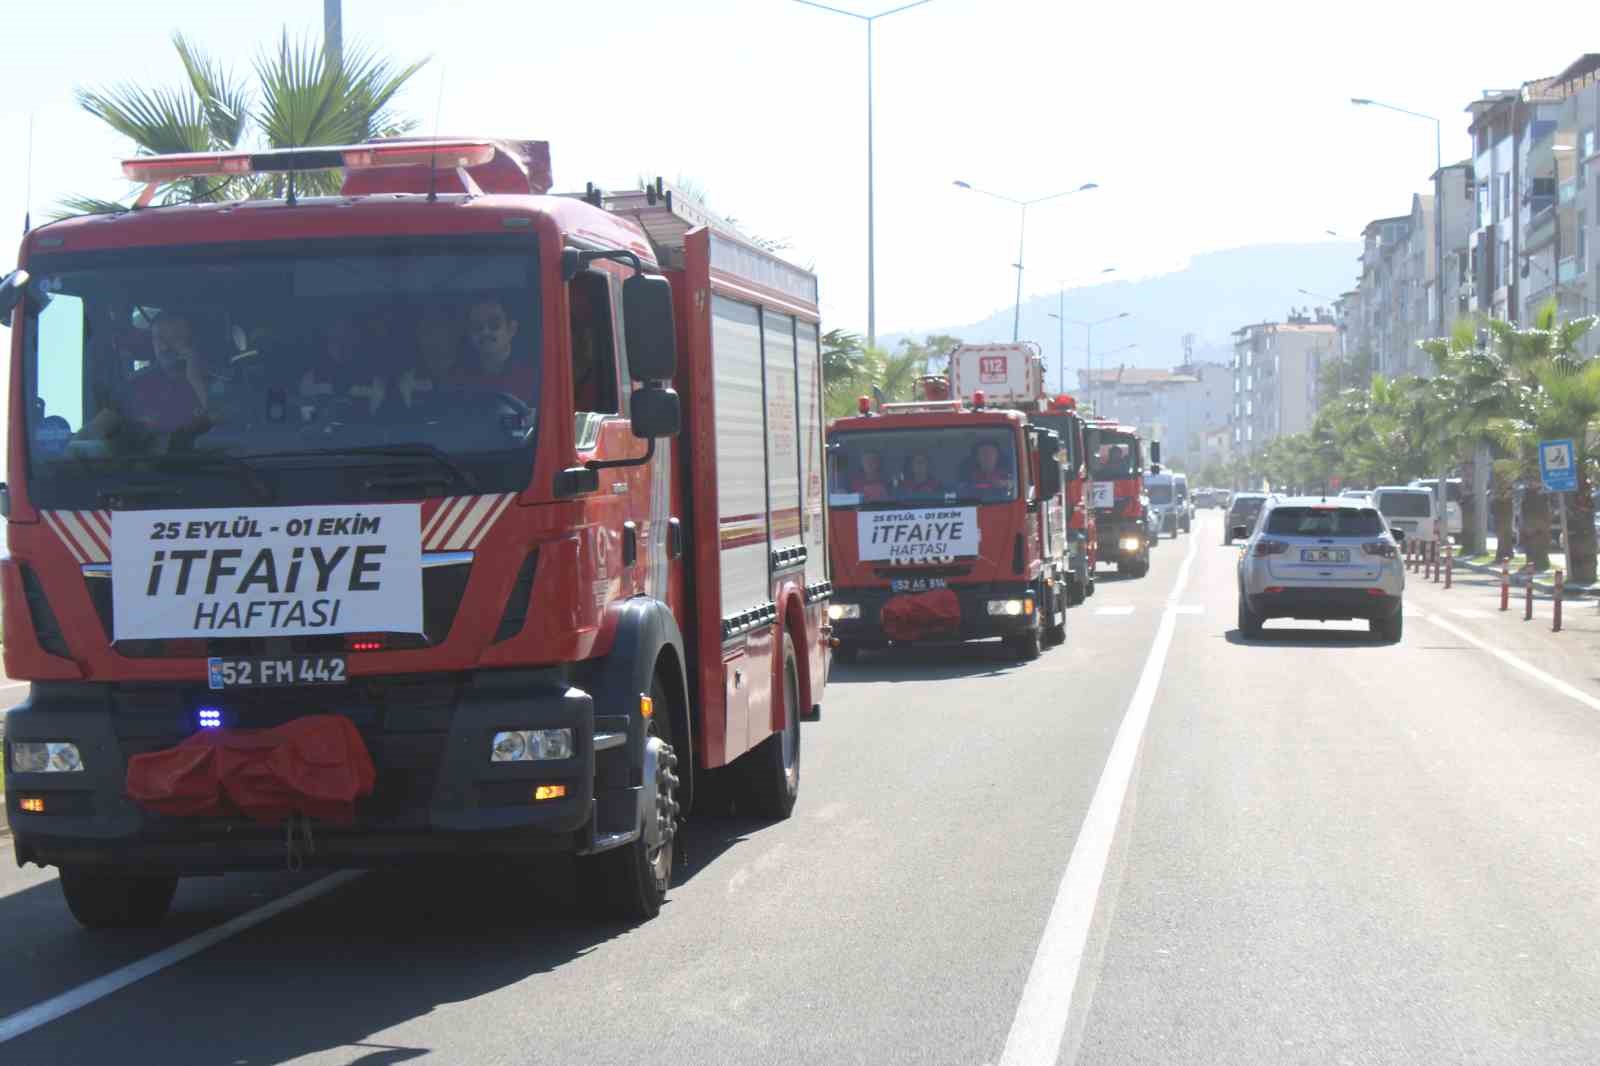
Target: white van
pixel 1408 509
pixel 1452 496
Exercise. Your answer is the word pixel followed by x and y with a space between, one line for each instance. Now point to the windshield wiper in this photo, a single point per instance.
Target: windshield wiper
pixel 415 450
pixel 219 461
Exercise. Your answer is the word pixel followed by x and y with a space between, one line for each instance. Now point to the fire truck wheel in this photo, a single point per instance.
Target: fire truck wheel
pixel 1025 646
pixel 110 900
pixel 1089 591
pixel 1075 593
pixel 772 768
pixel 1056 633
pixel 631 881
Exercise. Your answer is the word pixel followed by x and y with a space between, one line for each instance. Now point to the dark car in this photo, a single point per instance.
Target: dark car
pixel 1243 511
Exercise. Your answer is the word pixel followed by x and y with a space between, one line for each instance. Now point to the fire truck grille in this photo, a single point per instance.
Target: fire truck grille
pixel 442 590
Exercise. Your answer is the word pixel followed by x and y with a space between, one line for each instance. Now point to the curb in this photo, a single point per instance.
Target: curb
pixel 1520 578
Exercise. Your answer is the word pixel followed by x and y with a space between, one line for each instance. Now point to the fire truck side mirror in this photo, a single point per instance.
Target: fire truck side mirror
pixel 11 287
pixel 655 413
pixel 1155 451
pixel 647 320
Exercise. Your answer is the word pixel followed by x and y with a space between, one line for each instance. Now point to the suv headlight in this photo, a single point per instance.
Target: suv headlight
pixel 839 611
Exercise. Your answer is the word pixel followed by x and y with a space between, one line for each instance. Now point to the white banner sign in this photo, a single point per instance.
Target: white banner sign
pixel 1103 494
pixel 267 571
pixel 920 533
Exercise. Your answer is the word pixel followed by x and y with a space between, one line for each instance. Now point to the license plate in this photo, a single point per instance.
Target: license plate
pixel 276 672
pixel 1324 555
pixel 916 584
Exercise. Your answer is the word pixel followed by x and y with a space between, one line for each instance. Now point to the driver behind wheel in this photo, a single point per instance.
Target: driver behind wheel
pixel 438 365
pixel 491 330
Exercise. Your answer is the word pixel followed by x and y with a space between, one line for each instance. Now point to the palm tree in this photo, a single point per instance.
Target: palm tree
pixel 300 99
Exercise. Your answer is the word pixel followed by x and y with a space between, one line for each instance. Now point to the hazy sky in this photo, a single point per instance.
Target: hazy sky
pixel 1207 125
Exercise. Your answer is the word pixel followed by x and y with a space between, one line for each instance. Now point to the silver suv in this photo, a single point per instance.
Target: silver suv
pixel 1315 558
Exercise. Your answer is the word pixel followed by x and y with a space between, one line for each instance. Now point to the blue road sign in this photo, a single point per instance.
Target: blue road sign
pixel 1558 466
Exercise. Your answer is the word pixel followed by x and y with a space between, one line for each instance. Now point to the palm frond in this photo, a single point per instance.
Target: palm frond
pixel 225 102
pixel 72 206
pixel 158 121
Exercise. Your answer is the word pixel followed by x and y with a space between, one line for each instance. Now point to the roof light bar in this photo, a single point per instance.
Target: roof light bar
pixel 444 154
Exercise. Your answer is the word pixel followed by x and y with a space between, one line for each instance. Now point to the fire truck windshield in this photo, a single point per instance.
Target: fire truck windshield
pixel 284 372
pixel 948 464
pixel 1112 455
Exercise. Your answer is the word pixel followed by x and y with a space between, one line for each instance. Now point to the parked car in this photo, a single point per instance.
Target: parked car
pixel 1243 510
pixel 1408 509
pixel 1364 495
pixel 1321 559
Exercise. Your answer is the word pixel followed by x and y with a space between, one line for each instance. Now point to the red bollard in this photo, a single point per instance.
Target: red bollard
pixel 1527 607
pixel 1449 564
pixel 1433 561
pixel 1555 610
pixel 1505 585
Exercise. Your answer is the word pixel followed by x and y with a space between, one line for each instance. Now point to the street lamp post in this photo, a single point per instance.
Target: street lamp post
pixel 1088 350
pixel 1438 244
pixel 872 265
pixel 1060 315
pixel 1022 232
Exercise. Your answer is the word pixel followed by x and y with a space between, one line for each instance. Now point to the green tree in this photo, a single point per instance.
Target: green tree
pixel 299 99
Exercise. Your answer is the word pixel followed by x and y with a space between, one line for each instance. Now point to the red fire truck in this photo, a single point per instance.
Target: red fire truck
pixel 410 458
pixel 1083 546
pixel 1115 455
pixel 947 519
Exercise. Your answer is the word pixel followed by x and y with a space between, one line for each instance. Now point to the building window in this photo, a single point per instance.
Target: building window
pixel 1505 195
pixel 1501 262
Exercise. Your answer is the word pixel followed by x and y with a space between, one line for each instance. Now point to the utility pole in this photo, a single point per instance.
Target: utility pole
pixel 333 33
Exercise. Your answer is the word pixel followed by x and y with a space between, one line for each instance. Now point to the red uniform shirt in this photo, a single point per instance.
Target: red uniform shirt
pixel 161 400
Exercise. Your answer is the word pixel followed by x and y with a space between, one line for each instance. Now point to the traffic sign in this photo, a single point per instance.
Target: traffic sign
pixel 1558 467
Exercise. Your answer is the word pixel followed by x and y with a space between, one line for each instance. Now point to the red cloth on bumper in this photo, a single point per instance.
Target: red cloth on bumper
pixel 317 766
pixel 922 615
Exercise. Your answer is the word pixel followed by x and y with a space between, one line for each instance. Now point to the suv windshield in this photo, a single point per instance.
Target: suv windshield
pixel 922 465
pixel 1324 522
pixel 1405 504
pixel 406 369
pixel 1159 493
pixel 1112 455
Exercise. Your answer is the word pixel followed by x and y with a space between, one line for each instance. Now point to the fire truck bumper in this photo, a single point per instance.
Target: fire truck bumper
pixel 985 611
pixel 437 791
pixel 1121 539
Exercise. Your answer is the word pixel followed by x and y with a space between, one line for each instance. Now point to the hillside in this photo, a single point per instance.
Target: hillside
pixel 1213 295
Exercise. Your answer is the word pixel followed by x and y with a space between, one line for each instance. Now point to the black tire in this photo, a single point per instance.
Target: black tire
pixel 1391 628
pixel 631 881
pixel 111 900
pixel 1026 645
pixel 1089 589
pixel 1075 594
pixel 1056 633
pixel 1249 621
pixel 770 773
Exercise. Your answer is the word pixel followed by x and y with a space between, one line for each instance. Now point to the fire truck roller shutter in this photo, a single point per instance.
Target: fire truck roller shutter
pixel 647 639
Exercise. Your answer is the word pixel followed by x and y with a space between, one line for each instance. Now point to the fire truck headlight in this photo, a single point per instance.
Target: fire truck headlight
pixel 531 745
pixel 837 611
pixel 1129 544
pixel 45 757
pixel 1011 608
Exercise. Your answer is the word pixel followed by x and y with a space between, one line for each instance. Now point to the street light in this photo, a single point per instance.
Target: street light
pixel 1022 230
pixel 1088 349
pixel 872 266
pixel 1438 212
pixel 1060 315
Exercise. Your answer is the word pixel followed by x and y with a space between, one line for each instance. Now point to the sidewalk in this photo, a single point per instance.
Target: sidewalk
pixel 1543 581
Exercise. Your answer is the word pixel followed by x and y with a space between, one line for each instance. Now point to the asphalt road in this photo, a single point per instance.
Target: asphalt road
pixel 1307 848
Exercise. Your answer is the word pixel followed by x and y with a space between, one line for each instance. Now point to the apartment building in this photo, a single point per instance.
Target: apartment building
pixel 1171 406
pixel 1275 368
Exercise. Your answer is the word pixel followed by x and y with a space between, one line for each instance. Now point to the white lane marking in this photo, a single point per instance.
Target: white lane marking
pixel 1468 612
pixel 1104 611
pixel 1190 608
pixel 1520 664
pixel 1046 1004
pixel 30 1018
